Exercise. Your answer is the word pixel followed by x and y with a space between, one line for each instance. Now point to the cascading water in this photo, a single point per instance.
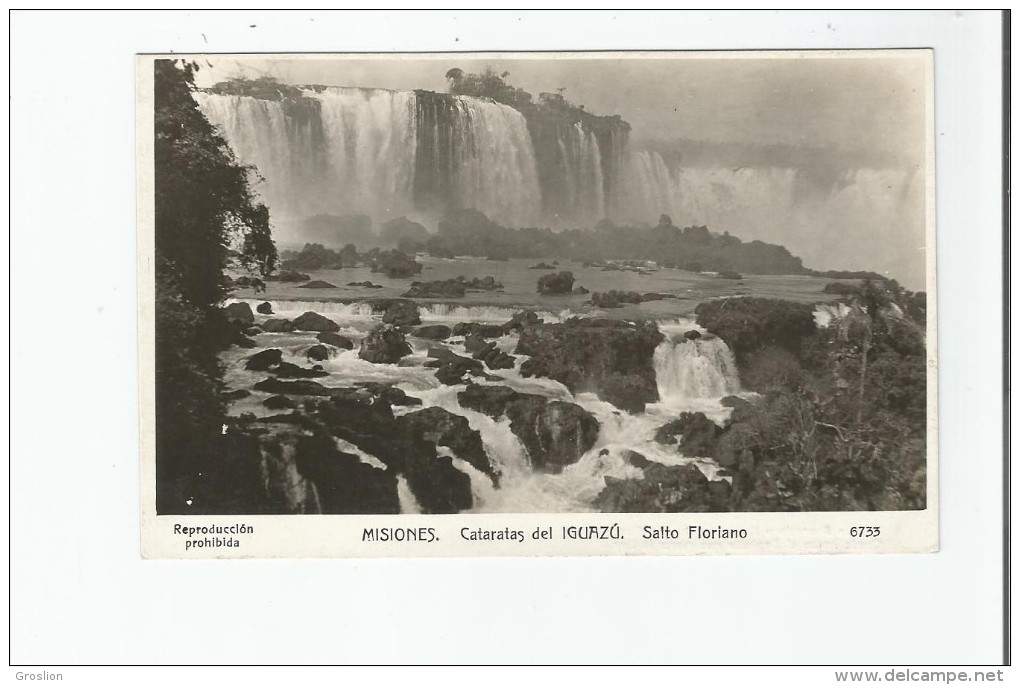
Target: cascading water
pixel 382 153
pixel 698 369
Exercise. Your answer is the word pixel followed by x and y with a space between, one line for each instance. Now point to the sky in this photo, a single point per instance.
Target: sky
pixel 866 104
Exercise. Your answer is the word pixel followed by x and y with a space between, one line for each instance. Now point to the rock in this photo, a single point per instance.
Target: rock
pixel 479 330
pixel 543 265
pixel 318 285
pixel 520 320
pixel 264 360
pixel 452 367
pixel 253 330
pixel 390 394
pixel 384 345
pixel 437 485
pixel 402 313
pixel 488 353
pixel 444 428
pixel 490 400
pixel 288 370
pixel 238 394
pixel 277 326
pixel 318 353
pixel 692 335
pixel 554 433
pixel 636 459
pixel 279 402
pixel 364 284
pixel 264 308
pixel 560 283
pixel 664 489
pixel 335 339
pixel 343 483
pixel 613 358
pixel 240 312
pixel 434 332
pixel 242 341
pixel 581 290
pixel 310 321
pixel 695 433
pixel 275 385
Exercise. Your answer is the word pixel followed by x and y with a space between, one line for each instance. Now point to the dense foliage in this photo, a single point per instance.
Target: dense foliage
pixel 841 422
pixel 205 221
pixel 695 248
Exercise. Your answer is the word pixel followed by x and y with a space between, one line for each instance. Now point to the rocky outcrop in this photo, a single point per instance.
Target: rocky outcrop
pixel 264 308
pixel 264 360
pixel 554 433
pixel 317 285
pixel 479 330
pixel 610 358
pixel 335 339
pixel 488 353
pixel 343 483
pixel 451 368
pixel 318 353
pixel 279 402
pixel 695 433
pixel 446 429
pixel 434 332
pixel 240 312
pixel 288 370
pixel 664 489
pixel 402 313
pixel 310 321
pixel 384 345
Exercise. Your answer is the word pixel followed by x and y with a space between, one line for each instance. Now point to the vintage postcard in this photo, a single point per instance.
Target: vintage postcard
pixel 537 304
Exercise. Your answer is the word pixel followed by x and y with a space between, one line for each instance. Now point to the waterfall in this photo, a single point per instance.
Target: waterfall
pixel 693 369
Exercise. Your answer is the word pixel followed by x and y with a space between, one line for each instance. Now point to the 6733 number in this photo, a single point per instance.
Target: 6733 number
pixel 865 531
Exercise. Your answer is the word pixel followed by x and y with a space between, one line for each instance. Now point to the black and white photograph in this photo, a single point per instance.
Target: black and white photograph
pixel 648 283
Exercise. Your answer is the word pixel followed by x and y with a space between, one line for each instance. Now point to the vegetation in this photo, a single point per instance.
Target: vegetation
pixel 841 422
pixel 206 221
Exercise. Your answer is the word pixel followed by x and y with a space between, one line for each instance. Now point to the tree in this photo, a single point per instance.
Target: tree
pixel 206 220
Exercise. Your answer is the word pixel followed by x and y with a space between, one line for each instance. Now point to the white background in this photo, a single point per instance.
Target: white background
pixel 81 592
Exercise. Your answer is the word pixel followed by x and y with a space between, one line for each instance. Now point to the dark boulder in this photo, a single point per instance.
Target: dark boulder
pixel 279 402
pixel 240 312
pixel 317 285
pixel 611 358
pixel 288 370
pixel 402 313
pixel 434 332
pixel 444 428
pixel 479 330
pixel 335 339
pixel 310 321
pixel 438 486
pixel 695 433
pixel 264 360
pixel 488 353
pixel 520 320
pixel 275 385
pixel 344 484
pixel 238 394
pixel 264 308
pixel 252 330
pixel 451 368
pixel 384 345
pixel 560 283
pixel 692 334
pixel 388 393
pixel 278 326
pixel 664 489
pixel 555 434
pixel 318 353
